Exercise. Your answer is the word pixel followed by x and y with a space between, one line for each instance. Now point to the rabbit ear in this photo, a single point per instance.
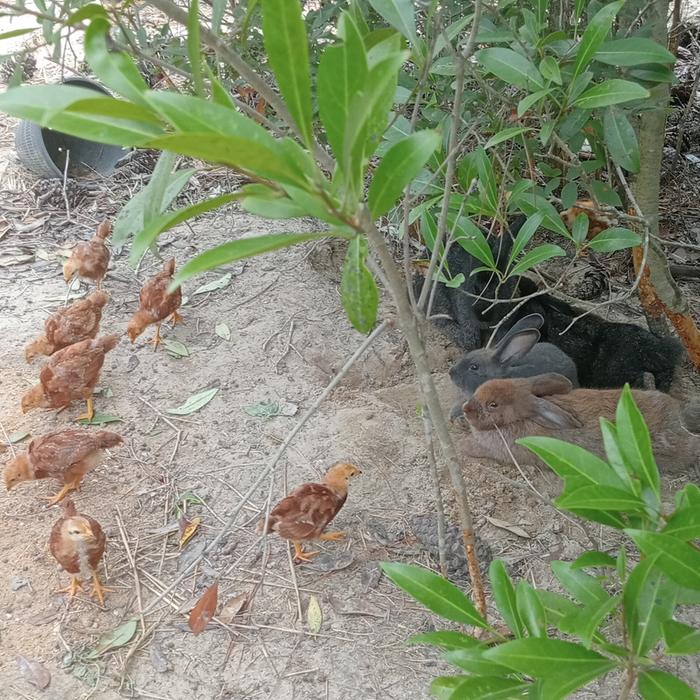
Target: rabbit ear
pixel 549 415
pixel 515 346
pixel 550 384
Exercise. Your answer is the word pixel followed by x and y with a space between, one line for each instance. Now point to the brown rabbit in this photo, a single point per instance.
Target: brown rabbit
pixel 548 405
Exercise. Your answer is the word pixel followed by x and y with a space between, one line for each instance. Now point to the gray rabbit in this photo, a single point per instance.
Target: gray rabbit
pixel 517 354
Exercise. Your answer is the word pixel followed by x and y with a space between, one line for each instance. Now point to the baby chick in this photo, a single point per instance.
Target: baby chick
pixel 155 304
pixel 69 375
pixel 66 455
pixel 305 513
pixel 597 220
pixel 90 258
pixel 70 325
pixel 77 543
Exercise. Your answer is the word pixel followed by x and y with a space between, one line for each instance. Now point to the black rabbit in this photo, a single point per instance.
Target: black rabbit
pixel 469 320
pixel 607 354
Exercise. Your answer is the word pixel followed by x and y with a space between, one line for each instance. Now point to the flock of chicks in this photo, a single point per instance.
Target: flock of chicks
pixel 75 358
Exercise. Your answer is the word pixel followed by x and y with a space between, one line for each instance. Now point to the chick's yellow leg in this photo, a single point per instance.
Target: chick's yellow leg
pixel 332 536
pixel 300 554
pixel 69 486
pixel 89 412
pixel 72 588
pixel 175 319
pixel 98 590
pixel 156 338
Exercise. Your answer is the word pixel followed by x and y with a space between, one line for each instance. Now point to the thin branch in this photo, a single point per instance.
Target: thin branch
pixel 440 511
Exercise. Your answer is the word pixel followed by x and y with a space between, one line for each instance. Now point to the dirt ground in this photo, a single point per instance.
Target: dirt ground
pixel 288 336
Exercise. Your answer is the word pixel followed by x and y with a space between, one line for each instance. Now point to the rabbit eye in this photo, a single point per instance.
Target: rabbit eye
pixel 492 404
pixel 473 367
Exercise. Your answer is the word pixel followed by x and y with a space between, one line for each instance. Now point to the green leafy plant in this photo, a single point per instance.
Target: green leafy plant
pixel 615 613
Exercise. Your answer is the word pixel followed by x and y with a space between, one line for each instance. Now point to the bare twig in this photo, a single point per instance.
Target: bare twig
pixel 428 431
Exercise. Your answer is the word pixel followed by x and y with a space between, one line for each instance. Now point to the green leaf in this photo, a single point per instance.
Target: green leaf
pixel 582 586
pixel 590 559
pixel 684 524
pixel 611 92
pixel 679 560
pixel 487 178
pixel 114 639
pixel 86 12
pixel 579 230
pixel 223 331
pixel 115 69
pixel 77 112
pixel 14 438
pixel 680 639
pixel 648 601
pixel 531 100
pixel 176 349
pixel 550 69
pixel 473 660
pixel 504 596
pixel 403 161
pixel 511 67
pixel 193 47
pixel 616 458
pixel 145 238
pixel 569 195
pixel 531 610
pixel 219 283
pixel 569 461
pixel 595 34
pixel 536 256
pixel 435 592
pixel 17 32
pixel 239 153
pixel 549 658
pixel 194 403
pixel 101 419
pixel 239 249
pixel 342 73
pixel 442 687
pixel 445 639
pixel 634 51
pixel 505 135
pixel 284 35
pixel 358 290
pixel 615 239
pixel 565 682
pixel 400 14
pixel 601 498
pixel 557 607
pixel 659 685
pixel 471 238
pixel 486 688
pixel 635 442
pixel 592 616
pixel 524 235
pixel 621 139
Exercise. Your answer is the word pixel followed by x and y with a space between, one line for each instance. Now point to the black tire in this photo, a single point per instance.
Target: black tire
pixel 43 151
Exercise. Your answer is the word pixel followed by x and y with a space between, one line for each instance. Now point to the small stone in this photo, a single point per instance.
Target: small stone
pixel 18 582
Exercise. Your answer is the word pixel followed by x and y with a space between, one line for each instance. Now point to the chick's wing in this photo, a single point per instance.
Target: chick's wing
pixel 70 371
pixel 305 512
pixel 56 452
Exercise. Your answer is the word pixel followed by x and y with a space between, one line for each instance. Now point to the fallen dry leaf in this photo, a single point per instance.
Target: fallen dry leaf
pixel 203 612
pixel 314 615
pixel 33 672
pixel 232 607
pixel 515 529
pixel 188 528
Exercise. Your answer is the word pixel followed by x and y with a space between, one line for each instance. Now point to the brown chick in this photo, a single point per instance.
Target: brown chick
pixel 90 258
pixel 76 322
pixel 307 511
pixel 597 220
pixel 66 455
pixel 155 304
pixel 69 375
pixel 77 543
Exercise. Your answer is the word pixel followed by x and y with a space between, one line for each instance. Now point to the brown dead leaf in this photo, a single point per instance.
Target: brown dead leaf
pixel 203 612
pixel 188 528
pixel 232 607
pixel 503 525
pixel 33 672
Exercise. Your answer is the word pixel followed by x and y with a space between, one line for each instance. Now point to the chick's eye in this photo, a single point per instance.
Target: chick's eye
pixel 491 404
pixel 473 367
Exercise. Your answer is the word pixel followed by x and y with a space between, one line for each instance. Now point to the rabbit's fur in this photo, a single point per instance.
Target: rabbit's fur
pixel 548 405
pixel 468 320
pixel 606 354
pixel 517 354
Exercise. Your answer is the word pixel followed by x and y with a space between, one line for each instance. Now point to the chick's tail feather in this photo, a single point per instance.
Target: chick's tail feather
pixel 108 342
pixel 106 438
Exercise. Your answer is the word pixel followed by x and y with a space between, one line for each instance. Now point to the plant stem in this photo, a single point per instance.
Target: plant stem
pixel 630 679
pixel 429 397
pixel 440 511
